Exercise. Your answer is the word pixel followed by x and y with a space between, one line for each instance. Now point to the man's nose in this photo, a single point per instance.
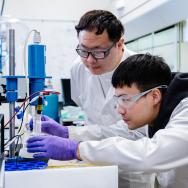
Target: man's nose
pixel 121 110
pixel 90 58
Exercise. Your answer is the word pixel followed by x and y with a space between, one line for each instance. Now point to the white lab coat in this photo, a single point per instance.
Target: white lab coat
pixel 93 93
pixel 166 152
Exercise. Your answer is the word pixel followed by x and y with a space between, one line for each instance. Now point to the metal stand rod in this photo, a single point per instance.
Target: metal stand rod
pixel 12 73
pixel 11 52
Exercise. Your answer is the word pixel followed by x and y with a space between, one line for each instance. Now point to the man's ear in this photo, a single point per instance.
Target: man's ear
pixel 156 96
pixel 121 42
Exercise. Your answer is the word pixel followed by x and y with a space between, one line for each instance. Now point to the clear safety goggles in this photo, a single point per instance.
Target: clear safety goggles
pixel 127 101
pixel 97 54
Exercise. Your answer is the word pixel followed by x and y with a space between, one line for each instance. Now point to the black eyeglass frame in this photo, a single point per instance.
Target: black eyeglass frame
pixel 94 52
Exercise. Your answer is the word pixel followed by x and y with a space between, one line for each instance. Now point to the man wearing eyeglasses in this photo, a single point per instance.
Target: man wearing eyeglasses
pixel 145 93
pixel 101 49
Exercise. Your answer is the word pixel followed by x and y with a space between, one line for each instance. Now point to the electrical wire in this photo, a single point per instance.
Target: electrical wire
pixel 35 93
pixel 21 107
pixel 10 141
pixel 19 129
pixel 22 118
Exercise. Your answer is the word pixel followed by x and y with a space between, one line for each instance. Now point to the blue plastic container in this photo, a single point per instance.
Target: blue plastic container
pixel 51 109
pixel 21 165
pixel 36 60
pixel 36 68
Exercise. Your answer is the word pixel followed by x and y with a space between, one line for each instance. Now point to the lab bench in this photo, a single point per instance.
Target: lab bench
pixel 66 174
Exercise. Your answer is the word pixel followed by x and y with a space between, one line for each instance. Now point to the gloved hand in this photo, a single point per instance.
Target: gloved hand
pixel 52 147
pixel 48 125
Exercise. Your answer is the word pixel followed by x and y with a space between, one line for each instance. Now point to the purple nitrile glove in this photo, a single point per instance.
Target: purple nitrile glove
pixel 52 147
pixel 50 126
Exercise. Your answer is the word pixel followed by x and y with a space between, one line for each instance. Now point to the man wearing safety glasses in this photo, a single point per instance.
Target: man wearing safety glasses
pixel 145 93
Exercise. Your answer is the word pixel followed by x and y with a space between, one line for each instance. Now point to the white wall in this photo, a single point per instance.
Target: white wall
pixel 52 9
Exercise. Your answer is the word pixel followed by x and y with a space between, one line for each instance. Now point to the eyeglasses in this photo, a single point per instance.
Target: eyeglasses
pixel 95 54
pixel 127 101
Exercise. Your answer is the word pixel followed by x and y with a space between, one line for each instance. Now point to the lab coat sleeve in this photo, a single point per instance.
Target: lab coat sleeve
pixel 166 150
pixel 98 132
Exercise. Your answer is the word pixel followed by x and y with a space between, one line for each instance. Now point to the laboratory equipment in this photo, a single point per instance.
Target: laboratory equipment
pixel 7 33
pixel 36 71
pixel 36 125
pixel 36 65
pixel 21 164
pixel 20 32
pixel 51 109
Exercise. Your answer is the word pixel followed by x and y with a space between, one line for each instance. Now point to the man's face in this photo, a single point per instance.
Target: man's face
pixel 140 112
pixel 89 41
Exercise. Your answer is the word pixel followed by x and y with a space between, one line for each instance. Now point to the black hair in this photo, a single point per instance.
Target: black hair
pixel 101 20
pixel 144 70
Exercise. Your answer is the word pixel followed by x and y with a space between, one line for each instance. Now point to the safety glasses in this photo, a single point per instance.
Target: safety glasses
pixel 127 101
